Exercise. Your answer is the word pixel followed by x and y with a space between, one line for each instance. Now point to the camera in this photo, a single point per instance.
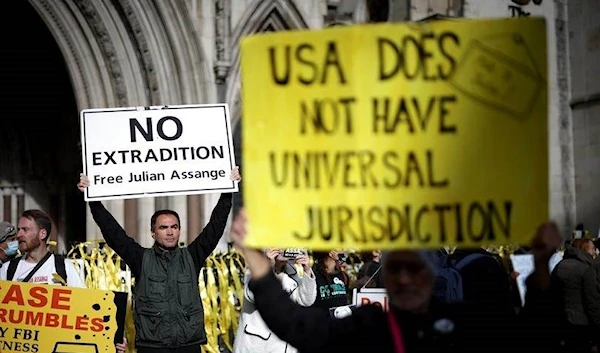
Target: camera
pixel 291 253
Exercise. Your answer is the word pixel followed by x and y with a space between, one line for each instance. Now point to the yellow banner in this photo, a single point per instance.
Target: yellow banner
pixel 43 318
pixel 396 135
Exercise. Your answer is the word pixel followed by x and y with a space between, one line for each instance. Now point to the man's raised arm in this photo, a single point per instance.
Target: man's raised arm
pixel 115 236
pixel 207 241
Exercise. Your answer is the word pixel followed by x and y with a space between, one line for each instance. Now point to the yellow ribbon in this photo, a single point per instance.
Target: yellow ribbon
pixel 225 317
pixel 220 284
pixel 102 268
pixel 208 294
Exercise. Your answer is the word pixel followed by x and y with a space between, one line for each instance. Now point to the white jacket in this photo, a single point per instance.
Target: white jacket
pixel 253 335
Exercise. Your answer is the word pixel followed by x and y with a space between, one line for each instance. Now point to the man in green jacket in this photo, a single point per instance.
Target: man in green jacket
pixel 168 311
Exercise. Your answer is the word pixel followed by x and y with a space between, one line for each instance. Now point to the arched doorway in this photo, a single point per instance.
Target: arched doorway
pixel 114 54
pixel 39 157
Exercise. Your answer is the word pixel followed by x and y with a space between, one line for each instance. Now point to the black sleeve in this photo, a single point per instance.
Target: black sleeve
pixel 487 285
pixel 591 296
pixel 539 319
pixel 115 236
pixel 207 241
pixel 597 268
pixel 306 328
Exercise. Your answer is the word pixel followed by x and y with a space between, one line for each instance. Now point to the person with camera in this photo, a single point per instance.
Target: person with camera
pixel 332 281
pixel 253 335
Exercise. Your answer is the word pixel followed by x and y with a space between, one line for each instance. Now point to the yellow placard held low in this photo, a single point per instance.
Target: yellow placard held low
pixel 45 318
pixel 396 135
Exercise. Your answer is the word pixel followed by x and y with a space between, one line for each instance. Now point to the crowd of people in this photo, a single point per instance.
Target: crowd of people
pixel 292 297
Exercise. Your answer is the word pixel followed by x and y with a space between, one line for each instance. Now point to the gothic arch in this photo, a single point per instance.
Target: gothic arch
pixel 129 53
pixel 123 53
pixel 261 16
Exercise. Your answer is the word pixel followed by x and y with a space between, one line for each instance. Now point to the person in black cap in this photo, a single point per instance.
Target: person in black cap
pixel 8 242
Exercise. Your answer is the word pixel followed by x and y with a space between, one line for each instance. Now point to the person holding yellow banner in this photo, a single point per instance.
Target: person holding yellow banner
pixel 415 321
pixel 38 264
pixel 168 311
pixel 122 347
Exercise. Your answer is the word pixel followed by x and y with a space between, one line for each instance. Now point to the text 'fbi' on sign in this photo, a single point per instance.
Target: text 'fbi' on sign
pixel 397 135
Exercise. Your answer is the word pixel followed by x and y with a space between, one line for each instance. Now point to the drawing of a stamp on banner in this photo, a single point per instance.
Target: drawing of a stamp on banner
pixel 508 81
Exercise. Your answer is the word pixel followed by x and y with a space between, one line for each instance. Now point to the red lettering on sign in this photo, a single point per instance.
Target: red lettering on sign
pixel 81 323
pixel 38 293
pixel 97 324
pixel 65 324
pixel 14 295
pixel 37 297
pixel 61 295
pixel 15 317
pixel 382 304
pixel 51 320
pixel 34 319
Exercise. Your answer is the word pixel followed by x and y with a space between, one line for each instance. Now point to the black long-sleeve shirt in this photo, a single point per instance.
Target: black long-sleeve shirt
pixel 132 252
pixel 444 328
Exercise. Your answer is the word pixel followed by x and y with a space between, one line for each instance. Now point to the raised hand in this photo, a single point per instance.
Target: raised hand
pixel 84 182
pixel 545 242
pixel 304 261
pixel 235 174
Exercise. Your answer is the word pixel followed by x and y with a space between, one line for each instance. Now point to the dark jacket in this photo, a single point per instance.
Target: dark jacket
pixel 133 253
pixel 445 328
pixel 167 313
pixel 486 283
pixel 575 281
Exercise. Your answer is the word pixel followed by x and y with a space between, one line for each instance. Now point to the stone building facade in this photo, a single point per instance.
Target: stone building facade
pixel 155 52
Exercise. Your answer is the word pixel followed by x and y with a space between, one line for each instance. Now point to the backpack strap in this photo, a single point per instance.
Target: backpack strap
pixel 12 268
pixel 59 264
pixel 467 260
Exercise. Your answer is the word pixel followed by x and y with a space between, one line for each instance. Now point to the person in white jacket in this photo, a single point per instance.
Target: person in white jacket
pixel 253 335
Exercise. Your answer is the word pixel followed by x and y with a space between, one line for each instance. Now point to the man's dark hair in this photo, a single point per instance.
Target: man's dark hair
pixel 160 213
pixel 40 218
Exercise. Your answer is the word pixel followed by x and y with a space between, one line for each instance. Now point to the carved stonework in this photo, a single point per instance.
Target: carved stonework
pixel 143 49
pixel 96 23
pixel 565 118
pixel 267 16
pixel 48 9
pixel 333 18
pixel 222 33
pixel 339 12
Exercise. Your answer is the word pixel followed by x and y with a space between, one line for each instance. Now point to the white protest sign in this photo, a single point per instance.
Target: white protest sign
pixel 157 151
pixel 377 296
pixel 524 265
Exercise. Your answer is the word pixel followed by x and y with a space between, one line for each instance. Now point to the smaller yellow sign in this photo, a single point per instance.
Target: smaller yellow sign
pixel 43 318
